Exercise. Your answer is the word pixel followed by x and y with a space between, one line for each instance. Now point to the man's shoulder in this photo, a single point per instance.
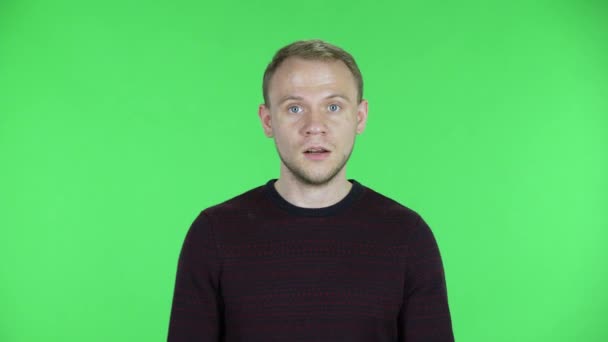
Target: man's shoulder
pixel 244 201
pixel 387 207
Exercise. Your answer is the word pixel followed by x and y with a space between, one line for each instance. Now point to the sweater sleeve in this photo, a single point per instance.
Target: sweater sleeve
pixel 425 315
pixel 196 312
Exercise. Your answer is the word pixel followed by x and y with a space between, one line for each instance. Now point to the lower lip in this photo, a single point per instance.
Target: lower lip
pixel 317 156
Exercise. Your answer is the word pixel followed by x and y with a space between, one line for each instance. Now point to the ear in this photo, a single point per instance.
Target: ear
pixel 264 114
pixel 361 116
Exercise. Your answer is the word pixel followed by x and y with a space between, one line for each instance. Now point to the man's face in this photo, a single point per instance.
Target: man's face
pixel 313 115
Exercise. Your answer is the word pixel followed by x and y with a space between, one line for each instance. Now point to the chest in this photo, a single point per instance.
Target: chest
pixel 320 277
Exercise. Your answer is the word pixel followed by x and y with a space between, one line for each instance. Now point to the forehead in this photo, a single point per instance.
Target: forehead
pixel 303 77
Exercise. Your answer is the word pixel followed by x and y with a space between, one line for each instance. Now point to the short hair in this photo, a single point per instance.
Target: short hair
pixel 314 49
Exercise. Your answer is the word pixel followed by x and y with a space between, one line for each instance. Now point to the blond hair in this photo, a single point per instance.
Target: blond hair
pixel 314 49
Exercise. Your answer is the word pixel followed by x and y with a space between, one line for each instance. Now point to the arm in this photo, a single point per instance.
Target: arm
pixel 196 313
pixel 425 315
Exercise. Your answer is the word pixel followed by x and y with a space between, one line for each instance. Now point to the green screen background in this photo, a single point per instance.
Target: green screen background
pixel 120 121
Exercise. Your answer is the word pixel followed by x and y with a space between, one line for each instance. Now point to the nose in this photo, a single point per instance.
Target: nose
pixel 314 123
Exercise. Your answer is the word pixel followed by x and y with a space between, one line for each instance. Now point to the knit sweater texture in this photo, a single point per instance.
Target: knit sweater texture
pixel 256 268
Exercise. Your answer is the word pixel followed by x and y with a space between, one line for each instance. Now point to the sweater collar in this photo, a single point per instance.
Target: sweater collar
pixel 331 210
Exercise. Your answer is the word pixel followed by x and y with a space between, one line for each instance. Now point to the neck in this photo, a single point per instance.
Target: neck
pixel 305 195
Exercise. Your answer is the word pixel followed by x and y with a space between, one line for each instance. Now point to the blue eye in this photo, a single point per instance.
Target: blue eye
pixel 294 109
pixel 333 108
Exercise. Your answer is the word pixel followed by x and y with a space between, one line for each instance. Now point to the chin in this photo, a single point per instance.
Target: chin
pixel 312 174
pixel 320 180
pixel 316 178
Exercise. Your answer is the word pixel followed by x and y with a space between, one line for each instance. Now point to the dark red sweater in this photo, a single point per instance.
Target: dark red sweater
pixel 257 268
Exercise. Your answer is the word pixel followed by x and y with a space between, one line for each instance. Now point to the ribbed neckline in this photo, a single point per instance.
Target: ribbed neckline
pixel 333 209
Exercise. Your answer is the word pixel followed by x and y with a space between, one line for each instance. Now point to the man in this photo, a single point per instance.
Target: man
pixel 310 256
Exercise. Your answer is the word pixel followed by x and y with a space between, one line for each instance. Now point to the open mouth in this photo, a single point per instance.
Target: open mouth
pixel 315 150
pixel 316 153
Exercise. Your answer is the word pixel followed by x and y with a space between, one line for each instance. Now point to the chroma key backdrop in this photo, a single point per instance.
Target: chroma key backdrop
pixel 121 120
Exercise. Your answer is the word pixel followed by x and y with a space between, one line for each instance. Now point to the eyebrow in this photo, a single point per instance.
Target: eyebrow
pixel 299 98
